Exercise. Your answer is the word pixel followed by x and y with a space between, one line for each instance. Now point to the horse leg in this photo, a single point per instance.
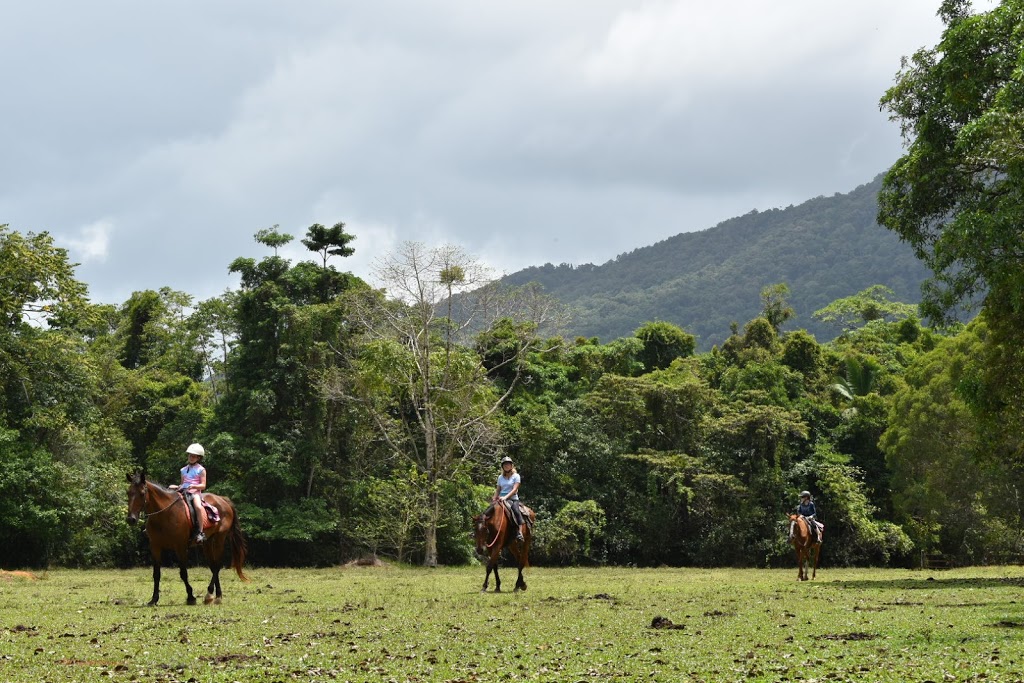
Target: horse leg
pixel 183 573
pixel 213 550
pixel 799 564
pixel 497 579
pixel 156 579
pixel 519 556
pixel 213 592
pixel 487 578
pixel 816 551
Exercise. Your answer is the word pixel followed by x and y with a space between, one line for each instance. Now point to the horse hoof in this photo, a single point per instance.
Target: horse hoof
pixel 208 599
pixel 190 601
pixel 216 601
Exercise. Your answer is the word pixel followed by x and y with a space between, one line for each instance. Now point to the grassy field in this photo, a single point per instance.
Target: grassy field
pixel 414 624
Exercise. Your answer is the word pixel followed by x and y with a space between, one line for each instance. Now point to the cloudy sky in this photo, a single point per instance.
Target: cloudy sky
pixel 154 139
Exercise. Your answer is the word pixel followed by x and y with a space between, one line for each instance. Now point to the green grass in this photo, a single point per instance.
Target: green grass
pixel 414 624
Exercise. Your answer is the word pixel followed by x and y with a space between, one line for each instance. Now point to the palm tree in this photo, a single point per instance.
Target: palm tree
pixel 861 376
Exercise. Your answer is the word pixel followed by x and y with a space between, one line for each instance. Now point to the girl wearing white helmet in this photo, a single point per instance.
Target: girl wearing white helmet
pixel 508 490
pixel 193 483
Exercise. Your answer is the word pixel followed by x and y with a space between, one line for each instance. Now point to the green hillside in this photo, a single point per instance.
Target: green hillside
pixel 823 249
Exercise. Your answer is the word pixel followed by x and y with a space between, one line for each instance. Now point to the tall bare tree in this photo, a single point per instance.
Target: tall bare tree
pixel 421 385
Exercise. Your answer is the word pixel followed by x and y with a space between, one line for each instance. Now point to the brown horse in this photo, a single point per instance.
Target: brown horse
pixel 169 527
pixel 496 531
pixel 807 549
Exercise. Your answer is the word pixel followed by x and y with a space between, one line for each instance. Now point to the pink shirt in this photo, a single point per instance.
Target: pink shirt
pixel 192 475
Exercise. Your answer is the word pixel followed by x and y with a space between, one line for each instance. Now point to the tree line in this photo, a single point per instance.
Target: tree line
pixel 346 420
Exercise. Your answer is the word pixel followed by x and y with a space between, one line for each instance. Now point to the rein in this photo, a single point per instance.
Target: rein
pixel 171 504
pixel 497 533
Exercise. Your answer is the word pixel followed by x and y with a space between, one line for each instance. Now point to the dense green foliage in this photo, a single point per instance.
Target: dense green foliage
pixel 824 249
pixel 957 195
pixel 345 422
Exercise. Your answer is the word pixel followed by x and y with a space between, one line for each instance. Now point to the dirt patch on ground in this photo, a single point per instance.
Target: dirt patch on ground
pixel 1008 624
pixel 221 659
pixel 10 576
pixel 665 622
pixel 369 561
pixel 847 636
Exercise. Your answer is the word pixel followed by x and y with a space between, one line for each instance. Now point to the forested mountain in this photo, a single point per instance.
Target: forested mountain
pixel 824 249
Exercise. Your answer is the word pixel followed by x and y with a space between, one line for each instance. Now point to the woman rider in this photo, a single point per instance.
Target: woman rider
pixel 508 490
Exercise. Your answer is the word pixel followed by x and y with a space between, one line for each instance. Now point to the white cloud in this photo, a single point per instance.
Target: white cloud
pixel 742 42
pixel 92 242
pixel 562 132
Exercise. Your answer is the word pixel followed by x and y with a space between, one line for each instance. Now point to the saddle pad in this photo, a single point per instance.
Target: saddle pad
pixel 212 513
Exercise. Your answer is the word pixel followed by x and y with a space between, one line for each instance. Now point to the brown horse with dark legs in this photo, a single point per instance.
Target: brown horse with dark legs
pixel 496 531
pixel 807 549
pixel 169 527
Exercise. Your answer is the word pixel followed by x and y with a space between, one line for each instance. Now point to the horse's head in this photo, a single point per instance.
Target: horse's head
pixel 138 493
pixel 480 531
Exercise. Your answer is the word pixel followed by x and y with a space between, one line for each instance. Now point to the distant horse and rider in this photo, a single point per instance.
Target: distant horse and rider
pixel 495 531
pixel 806 535
pixel 169 524
pixel 505 525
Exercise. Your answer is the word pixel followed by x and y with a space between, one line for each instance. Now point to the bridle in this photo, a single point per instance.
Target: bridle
pixel 145 500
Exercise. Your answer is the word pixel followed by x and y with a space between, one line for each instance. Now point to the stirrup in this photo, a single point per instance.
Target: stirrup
pixel 199 538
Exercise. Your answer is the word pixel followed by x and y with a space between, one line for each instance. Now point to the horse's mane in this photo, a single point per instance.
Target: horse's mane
pixel 159 487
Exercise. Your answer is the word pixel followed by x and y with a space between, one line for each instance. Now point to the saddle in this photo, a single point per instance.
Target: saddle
pixel 524 511
pixel 210 515
pixel 820 529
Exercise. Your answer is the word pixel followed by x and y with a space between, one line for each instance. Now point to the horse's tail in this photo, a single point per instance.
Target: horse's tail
pixel 238 545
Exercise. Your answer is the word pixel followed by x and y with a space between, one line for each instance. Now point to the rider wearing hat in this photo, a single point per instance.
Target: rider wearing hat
pixel 508 490
pixel 807 510
pixel 193 483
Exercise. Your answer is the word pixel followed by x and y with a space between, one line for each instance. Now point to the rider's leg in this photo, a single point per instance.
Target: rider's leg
pixel 518 514
pixel 197 531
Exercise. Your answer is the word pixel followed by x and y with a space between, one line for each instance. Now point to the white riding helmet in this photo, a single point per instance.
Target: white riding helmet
pixel 196 449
